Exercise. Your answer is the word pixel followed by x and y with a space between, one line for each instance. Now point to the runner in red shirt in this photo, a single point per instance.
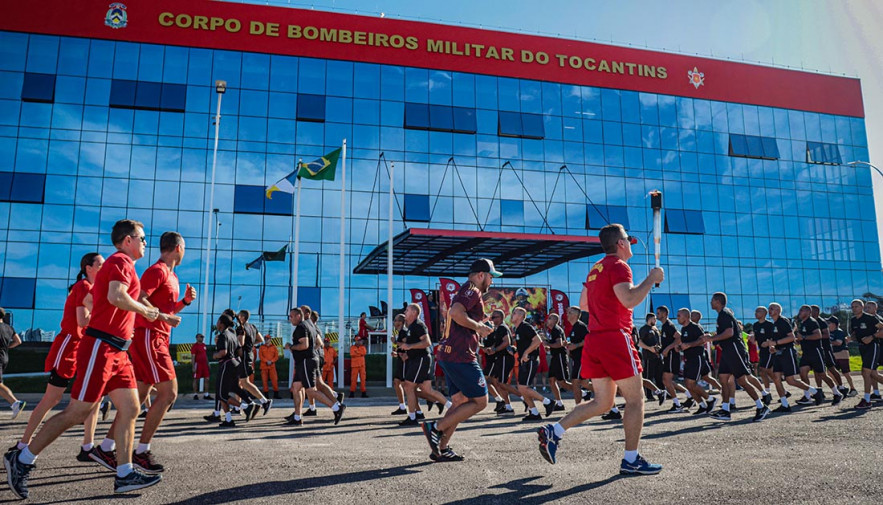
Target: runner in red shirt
pixel 609 358
pixel 104 363
pixel 200 367
pixel 61 363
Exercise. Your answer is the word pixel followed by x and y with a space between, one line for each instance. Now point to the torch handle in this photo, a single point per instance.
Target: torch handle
pixel 657 235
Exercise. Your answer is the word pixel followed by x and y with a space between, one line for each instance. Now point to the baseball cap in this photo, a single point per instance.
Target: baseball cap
pixel 484 265
pixel 834 320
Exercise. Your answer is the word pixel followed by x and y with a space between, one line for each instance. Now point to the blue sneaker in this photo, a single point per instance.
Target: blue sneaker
pixel 548 443
pixel 639 467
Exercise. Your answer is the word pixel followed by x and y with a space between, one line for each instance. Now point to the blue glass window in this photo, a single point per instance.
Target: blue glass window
pixel 752 146
pixel 125 94
pixel 253 200
pixel 17 292
pixel 464 120
pixel 21 187
pixel 38 88
pixel 442 118
pixel 524 125
pixel 821 152
pixel 417 116
pixel 684 221
pixel 147 95
pixel 174 97
pixel 417 208
pixel 311 108
pixel 512 212
pixel 599 216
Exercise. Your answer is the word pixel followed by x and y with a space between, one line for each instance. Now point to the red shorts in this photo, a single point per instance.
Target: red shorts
pixel 201 371
pixel 610 354
pixel 101 369
pixel 150 357
pixel 63 356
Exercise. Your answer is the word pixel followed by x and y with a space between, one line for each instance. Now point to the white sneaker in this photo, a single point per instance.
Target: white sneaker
pixel 17 407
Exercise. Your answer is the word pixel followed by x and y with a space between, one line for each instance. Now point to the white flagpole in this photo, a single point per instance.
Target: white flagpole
pixel 340 295
pixel 390 303
pixel 294 263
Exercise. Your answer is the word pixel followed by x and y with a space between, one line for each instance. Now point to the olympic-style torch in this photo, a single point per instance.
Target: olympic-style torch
pixel 656 205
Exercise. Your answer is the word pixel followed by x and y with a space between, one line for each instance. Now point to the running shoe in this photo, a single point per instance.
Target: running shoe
pixel 433 436
pixel 227 424
pixel 548 443
pixel 364 394
pixel 532 417
pixel 212 418
pixel 661 397
pixel 249 411
pixel 852 393
pixel 446 455
pixel 104 409
pixel 863 405
pixel 712 402
pixel 83 456
pixel 397 412
pixel 611 416
pixel 688 403
pixel 500 406
pixel 143 414
pixel 134 481
pixel 339 414
pixel 767 399
pixel 310 413
pixel 588 395
pixel 639 467
pixel 720 415
pixel 550 407
pixel 676 409
pixel 804 401
pixel 295 422
pixel 409 422
pixel 819 397
pixel 196 397
pixel 761 414
pixel 837 399
pixel 341 397
pixel 875 397
pixel 289 417
pixel 781 409
pixel 18 407
pixel 267 407
pixel 107 459
pixel 17 473
pixel 146 463
pixel 420 416
pixel 441 407
pixel 505 411
pixel 843 390
pixel 558 408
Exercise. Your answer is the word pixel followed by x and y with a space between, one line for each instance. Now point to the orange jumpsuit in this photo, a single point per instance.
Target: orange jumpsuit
pixel 328 367
pixel 357 364
pixel 269 355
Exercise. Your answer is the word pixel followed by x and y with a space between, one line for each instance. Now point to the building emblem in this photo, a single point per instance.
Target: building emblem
pixel 116 16
pixel 697 78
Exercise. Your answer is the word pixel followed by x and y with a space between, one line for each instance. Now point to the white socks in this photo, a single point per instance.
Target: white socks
pixel 546 401
pixel 26 456
pixel 142 448
pixel 448 405
pixel 402 406
pixel 758 404
pixel 336 407
pixel 228 417
pixel 124 470
pixel 108 445
pixel 630 456
pixel 559 430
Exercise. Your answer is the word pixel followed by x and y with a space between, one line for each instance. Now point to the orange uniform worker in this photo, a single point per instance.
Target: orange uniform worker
pixel 357 366
pixel 330 360
pixel 269 355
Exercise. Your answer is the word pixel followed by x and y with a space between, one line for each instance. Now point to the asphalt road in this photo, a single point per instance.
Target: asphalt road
pixel 813 455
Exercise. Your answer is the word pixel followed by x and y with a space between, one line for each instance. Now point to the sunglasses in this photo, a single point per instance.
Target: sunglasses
pixel 142 238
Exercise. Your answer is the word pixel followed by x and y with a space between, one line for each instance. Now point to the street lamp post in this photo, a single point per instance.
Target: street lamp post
pixel 220 88
pixel 854 163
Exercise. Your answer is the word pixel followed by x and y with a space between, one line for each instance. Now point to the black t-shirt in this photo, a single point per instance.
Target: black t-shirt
pixel 496 337
pixel 415 331
pixel 862 327
pixel 668 333
pixel 806 328
pixel 300 332
pixel 524 335
pixel 400 339
pixel 726 319
pixel 781 328
pixel 649 335
pixel 578 334
pixel 556 336
pixel 690 333
pixel 227 341
pixel 763 331
pixel 7 334
pixel 250 332
pixel 838 335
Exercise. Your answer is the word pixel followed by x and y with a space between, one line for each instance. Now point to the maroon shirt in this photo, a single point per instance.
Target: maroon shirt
pixel 460 344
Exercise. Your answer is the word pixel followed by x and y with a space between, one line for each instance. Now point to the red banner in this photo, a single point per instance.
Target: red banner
pixel 419 297
pixel 321 34
pixel 560 303
pixel 449 288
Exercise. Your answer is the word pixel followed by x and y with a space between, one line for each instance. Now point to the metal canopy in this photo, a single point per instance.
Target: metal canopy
pixel 449 253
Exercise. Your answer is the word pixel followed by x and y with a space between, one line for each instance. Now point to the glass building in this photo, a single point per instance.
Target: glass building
pixel 759 199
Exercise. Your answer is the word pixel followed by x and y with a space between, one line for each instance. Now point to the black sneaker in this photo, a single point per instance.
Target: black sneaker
pixel 761 414
pixel 767 399
pixel 787 394
pixel 227 424
pixel 146 463
pixel 399 411
pixel 676 409
pixel 712 402
pixel 526 408
pixel 588 395
pixel 843 390
pixel 212 418
pixel 863 405
pixel 364 394
pixel 441 407
pixel 83 456
pixel 249 411
pixel 339 414
pixel 532 417
pixel 500 406
pixel 409 422
pixel 352 394
pixel 611 416
pixel 446 455
pixel 688 403
pixel 558 408
pixel 837 399
pixel 143 414
pixel 276 395
pixel 875 397
pixel 267 407
pixel 420 416
pixel 256 407
pixel 781 409
pixel 105 409
pixel 661 397
pixel 310 413
pixel 134 481
pixel 505 411
pixel 720 415
pixel 17 473
pixel 433 436
pixel 340 397
pixel 196 397
pixel 295 422
pixel 804 401
pixel 235 412
pixel 852 393
pixel 550 407
pixel 819 397
pixel 107 459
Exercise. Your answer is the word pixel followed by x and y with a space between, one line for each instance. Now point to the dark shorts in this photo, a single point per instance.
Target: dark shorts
pixel 489 362
pixel 527 371
pixel 785 362
pixel 576 361
pixel 54 379
pixel 653 368
pixel 766 359
pixel 870 355
pixel 696 368
pixel 672 363
pixel 502 367
pixel 843 365
pixel 733 361
pixel 418 370
pixel 558 368
pixel 245 369
pixel 814 359
pixel 228 380
pixel 306 371
pixel 464 378
pixel 398 369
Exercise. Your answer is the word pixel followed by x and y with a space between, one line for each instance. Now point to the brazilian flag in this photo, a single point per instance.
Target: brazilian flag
pixel 322 169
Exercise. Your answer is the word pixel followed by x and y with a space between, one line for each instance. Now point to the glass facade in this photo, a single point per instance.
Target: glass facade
pixel 762 204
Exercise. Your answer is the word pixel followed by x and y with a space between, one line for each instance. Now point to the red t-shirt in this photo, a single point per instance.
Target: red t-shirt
pixel 105 316
pixel 160 284
pixel 198 353
pixel 461 344
pixel 363 328
pixel 606 313
pixel 75 299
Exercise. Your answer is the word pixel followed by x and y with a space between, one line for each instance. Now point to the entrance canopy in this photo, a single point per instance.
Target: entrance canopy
pixel 449 253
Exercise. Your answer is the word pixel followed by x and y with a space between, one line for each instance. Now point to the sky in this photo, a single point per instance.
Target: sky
pixel 835 36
